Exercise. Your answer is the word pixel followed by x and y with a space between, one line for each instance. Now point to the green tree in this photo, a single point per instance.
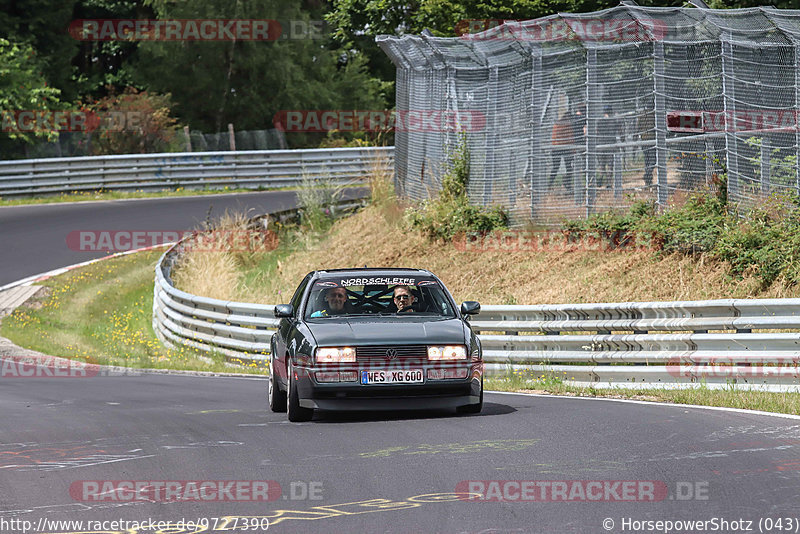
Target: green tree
pixel 43 24
pixel 356 23
pixel 107 66
pixel 23 87
pixel 246 82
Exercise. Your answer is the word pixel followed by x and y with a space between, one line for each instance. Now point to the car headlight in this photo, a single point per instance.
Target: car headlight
pixel 448 352
pixel 336 355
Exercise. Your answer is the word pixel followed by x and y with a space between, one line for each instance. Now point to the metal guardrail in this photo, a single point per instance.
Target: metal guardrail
pixel 258 169
pixel 630 344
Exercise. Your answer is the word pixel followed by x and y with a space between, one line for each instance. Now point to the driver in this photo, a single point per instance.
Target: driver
pixel 403 299
pixel 335 300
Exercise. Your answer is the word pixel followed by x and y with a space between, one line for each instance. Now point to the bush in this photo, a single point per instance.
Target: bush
pixel 133 123
pixel 317 204
pixel 764 243
pixel 451 213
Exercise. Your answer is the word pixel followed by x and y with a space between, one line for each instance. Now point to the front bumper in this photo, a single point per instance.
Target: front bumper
pixel 427 395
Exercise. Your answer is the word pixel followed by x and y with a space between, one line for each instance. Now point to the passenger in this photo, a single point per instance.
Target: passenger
pixel 336 303
pixel 403 299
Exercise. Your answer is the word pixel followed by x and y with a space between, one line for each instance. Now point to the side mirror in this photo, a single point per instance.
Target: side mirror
pixel 470 307
pixel 283 310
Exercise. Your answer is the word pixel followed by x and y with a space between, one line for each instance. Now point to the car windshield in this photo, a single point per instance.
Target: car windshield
pixel 377 296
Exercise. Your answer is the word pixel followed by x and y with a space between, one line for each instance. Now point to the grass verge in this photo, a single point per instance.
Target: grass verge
pixel 102 314
pixel 730 397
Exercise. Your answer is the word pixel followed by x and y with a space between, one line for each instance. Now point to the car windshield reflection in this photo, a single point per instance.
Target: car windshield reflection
pixel 337 298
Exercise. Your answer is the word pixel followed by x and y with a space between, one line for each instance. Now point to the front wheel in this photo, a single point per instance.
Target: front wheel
pixel 473 408
pixel 296 413
pixel 277 398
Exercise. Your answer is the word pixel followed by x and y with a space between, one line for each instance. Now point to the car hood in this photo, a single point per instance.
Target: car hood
pixel 387 331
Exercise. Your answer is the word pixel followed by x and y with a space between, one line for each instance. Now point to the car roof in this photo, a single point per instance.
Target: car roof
pixel 373 271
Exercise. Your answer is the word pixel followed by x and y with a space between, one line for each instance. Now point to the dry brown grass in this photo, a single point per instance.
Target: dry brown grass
pixel 212 271
pixel 375 237
pixel 207 273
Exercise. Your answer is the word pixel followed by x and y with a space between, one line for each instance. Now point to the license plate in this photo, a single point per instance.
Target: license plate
pixel 401 376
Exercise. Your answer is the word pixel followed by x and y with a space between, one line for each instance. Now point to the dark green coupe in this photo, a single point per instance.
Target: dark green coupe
pixel 374 339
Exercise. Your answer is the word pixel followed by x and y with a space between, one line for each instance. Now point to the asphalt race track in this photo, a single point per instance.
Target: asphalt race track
pixel 69 443
pixel 33 239
pixel 385 472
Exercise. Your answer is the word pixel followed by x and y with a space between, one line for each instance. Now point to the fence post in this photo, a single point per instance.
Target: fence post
pixel 592 103
pixel 537 179
pixel 660 122
pixel 231 137
pixel 488 165
pixel 729 99
pixel 796 110
pixel 188 138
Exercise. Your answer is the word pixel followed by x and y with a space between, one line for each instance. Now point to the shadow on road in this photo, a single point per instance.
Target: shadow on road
pixel 489 409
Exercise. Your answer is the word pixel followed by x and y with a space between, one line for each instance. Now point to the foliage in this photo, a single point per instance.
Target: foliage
pixel 42 25
pixel 764 243
pixel 767 242
pixel 451 212
pixel 356 23
pixel 133 122
pixel 247 82
pixel 317 205
pixel 105 66
pixel 24 88
pixel 782 163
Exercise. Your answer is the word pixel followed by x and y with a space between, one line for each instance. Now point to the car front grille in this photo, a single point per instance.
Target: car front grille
pixel 392 353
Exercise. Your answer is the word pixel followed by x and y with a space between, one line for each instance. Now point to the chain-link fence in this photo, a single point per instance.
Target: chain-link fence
pixel 576 113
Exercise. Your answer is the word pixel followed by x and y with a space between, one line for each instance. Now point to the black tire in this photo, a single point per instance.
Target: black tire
pixel 277 398
pixel 296 413
pixel 472 408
